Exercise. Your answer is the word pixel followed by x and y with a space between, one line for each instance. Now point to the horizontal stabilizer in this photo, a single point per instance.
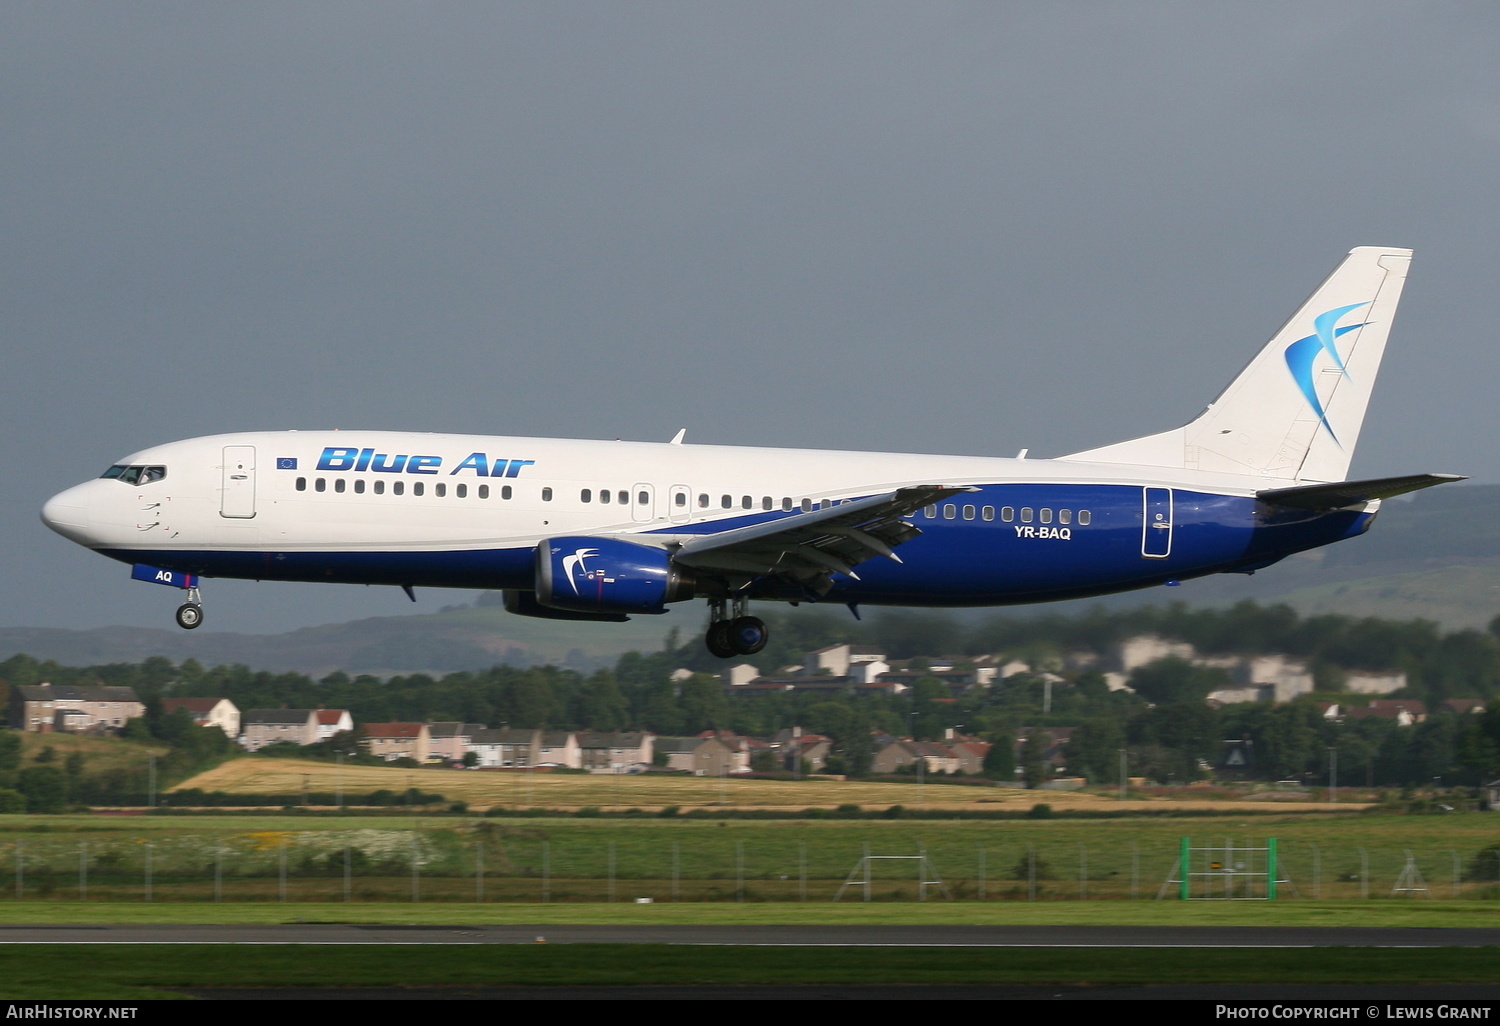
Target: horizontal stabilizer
pixel 1352 493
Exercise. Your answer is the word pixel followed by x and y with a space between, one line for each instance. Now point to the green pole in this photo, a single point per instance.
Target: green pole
pixel 1271 869
pixel 1182 871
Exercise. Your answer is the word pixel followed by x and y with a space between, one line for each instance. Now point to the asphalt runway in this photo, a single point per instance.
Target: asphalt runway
pixel 779 936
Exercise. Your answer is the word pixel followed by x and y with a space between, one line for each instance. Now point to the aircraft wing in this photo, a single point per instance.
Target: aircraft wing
pixel 1352 493
pixel 810 546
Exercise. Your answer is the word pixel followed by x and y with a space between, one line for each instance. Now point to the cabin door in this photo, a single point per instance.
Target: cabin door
pixel 237 499
pixel 1156 531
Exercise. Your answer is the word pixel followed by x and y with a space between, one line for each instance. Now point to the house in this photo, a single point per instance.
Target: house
pixel 269 726
pixel 332 722
pixel 506 747
pixel 100 709
pixel 559 748
pixel 1404 711
pixel 858 662
pixel 449 739
pixel 208 712
pixel 897 753
pixel 391 741
pixel 615 751
pixel 701 756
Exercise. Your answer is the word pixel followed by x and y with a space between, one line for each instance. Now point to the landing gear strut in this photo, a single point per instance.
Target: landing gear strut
pixel 737 633
pixel 190 613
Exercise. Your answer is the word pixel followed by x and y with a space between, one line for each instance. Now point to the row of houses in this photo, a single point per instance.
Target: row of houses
pixel 1271 678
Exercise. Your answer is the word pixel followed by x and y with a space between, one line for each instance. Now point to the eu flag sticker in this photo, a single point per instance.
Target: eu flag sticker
pixel 286 463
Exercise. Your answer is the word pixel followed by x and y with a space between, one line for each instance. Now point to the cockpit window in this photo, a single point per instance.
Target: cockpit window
pixel 135 475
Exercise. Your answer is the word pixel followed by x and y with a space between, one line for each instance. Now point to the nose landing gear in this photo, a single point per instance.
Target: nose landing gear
pixel 739 634
pixel 190 613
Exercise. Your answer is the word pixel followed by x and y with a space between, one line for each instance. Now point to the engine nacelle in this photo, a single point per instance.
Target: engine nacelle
pixel 524 603
pixel 607 575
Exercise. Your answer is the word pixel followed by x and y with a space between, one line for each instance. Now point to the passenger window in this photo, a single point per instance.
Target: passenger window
pixel 807 505
pixel 320 485
pixel 1084 517
pixel 398 487
pixel 1046 516
pixel 931 512
pixel 786 504
pixel 604 496
pixel 462 491
pixel 679 499
pixel 765 503
pixel 586 495
pixel 726 501
pixel 746 502
pixel 703 501
pixel 440 490
pixel 546 493
pixel 1064 516
pixel 623 496
pixel 988 512
pixel 968 512
pixel 1025 514
pixel 359 486
pixel 416 487
pixel 484 491
pixel 949 511
pixel 339 484
pixel 505 491
pixel 301 484
pixel 1007 513
pixel 643 499
pixel 379 486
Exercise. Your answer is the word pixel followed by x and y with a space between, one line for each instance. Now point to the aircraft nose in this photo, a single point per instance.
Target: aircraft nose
pixel 67 513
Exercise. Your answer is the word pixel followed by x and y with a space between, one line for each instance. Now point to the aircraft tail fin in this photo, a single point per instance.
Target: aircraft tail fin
pixel 1293 413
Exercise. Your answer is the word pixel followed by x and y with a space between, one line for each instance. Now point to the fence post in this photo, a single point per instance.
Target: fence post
pixel 479 871
pixel 148 871
pixel 83 870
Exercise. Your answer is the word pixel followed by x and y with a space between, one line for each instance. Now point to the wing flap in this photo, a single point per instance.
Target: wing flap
pixel 819 542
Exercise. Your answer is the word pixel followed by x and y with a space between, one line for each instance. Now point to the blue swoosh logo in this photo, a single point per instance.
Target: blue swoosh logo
pixel 1301 355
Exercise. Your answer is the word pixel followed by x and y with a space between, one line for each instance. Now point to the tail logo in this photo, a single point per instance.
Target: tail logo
pixel 1303 353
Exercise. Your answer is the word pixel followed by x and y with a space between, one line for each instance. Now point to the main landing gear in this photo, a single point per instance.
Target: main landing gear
pixel 190 613
pixel 735 633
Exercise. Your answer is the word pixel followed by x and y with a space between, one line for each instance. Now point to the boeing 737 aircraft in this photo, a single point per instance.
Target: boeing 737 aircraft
pixel 586 530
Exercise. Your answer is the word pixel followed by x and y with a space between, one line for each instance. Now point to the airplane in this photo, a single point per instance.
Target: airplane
pixel 585 530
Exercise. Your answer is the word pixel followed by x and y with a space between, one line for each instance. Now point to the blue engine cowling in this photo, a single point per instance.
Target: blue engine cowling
pixel 607 575
pixel 524 603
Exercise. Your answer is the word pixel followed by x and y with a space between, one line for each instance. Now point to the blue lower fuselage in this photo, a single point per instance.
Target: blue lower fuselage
pixel 1002 544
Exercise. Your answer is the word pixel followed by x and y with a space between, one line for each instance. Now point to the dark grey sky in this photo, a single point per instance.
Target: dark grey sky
pixel 945 227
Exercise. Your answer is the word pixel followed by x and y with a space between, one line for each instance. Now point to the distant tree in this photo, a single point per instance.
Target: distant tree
pixel 45 788
pixel 1000 760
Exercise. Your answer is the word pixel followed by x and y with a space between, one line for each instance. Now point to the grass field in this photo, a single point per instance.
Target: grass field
pixel 483 790
pixel 126 972
pixel 261 857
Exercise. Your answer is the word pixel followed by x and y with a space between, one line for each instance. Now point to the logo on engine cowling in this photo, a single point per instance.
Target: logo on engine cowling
pixel 576 561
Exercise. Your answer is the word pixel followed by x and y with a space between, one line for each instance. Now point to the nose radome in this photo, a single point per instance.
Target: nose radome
pixel 67 513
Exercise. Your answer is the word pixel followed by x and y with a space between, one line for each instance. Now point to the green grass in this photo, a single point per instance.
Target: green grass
pixel 1121 858
pixel 1375 913
pixel 125 972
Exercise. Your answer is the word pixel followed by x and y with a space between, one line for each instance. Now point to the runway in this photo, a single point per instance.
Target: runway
pixel 778 936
